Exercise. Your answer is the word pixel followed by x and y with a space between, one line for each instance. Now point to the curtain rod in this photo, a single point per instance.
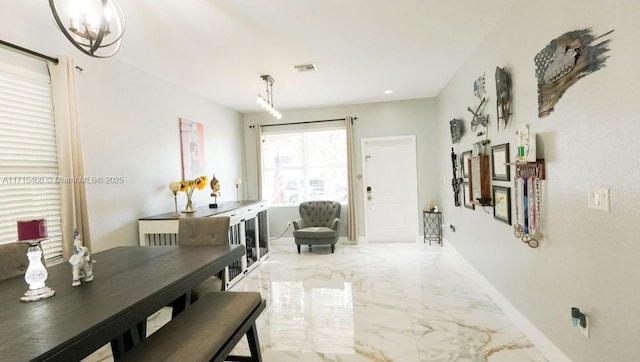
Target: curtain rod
pixel 303 122
pixel 29 52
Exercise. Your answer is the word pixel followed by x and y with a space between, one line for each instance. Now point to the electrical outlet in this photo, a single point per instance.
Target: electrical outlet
pixel 585 330
pixel 580 320
pixel 598 199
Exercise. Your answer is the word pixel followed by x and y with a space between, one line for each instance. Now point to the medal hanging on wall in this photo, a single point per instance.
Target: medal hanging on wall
pixel 528 190
pixel 532 212
pixel 518 228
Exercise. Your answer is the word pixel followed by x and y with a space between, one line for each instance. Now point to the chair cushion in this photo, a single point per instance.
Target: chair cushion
pixel 317 232
pixel 13 260
pixel 213 284
pixel 195 231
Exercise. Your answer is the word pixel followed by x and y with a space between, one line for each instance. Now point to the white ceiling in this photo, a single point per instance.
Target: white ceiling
pixel 219 48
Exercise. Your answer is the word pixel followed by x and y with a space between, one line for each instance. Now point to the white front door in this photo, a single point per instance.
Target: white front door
pixel 390 189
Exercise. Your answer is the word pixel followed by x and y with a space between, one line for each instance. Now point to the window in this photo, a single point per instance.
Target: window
pixel 28 156
pixel 303 165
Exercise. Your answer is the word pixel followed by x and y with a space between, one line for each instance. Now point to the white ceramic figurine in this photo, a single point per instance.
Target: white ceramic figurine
pixel 81 261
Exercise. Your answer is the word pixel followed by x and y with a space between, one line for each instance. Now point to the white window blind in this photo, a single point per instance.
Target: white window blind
pixel 302 162
pixel 29 186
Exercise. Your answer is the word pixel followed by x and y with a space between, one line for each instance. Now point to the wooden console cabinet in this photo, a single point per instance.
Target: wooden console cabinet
pixel 249 226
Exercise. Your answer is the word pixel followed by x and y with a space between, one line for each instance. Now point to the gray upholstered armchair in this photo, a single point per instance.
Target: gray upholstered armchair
pixel 318 224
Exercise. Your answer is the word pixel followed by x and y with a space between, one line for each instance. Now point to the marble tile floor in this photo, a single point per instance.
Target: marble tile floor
pixel 373 302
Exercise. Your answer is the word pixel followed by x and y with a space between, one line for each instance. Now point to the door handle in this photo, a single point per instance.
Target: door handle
pixel 369 197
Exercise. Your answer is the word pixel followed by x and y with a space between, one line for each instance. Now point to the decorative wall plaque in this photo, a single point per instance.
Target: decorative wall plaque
pixel 457 130
pixel 503 96
pixel 478 117
pixel 566 59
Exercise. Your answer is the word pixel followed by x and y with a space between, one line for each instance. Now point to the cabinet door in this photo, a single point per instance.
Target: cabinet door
pixel 250 237
pixel 263 233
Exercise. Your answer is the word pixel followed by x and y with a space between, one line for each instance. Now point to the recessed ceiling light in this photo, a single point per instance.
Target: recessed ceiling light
pixel 388 91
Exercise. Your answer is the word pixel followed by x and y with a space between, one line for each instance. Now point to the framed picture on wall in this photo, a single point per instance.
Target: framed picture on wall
pixel 464 160
pixel 192 147
pixel 499 157
pixel 502 204
pixel 465 196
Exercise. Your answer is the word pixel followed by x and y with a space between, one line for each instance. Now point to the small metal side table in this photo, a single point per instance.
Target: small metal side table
pixel 432 222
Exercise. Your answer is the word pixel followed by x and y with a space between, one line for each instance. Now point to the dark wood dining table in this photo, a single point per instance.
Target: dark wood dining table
pixel 131 283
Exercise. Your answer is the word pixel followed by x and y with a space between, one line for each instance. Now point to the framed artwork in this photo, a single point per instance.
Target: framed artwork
pixel 502 204
pixel 466 156
pixel 465 196
pixel 192 148
pixel 500 156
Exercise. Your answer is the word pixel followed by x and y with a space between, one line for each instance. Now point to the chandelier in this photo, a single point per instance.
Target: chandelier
pixel 268 102
pixel 93 26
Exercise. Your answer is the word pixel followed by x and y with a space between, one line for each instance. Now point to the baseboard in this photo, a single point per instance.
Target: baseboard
pixel 344 240
pixel 544 344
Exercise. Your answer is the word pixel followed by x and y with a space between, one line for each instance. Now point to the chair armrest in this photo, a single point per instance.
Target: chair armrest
pixel 297 224
pixel 334 225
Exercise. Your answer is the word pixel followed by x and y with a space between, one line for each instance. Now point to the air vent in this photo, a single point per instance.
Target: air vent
pixel 305 68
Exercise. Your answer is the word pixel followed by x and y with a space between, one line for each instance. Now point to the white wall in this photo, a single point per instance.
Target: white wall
pixel 410 117
pixel 129 127
pixel 588 258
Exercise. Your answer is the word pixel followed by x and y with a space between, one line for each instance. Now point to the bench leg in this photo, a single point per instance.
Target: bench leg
pixel 254 348
pixel 298 248
pixel 254 344
pixel 180 304
pixel 333 247
pixel 129 339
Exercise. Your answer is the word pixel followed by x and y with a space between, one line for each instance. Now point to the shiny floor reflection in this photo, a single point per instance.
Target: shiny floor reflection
pixel 377 302
pixel 372 302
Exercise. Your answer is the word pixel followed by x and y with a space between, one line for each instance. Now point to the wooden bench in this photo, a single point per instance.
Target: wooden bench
pixel 207 330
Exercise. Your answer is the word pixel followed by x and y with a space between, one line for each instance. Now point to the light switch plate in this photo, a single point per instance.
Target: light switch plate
pixel 598 199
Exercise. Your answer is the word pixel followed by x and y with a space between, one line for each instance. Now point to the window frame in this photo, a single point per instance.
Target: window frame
pixel 306 169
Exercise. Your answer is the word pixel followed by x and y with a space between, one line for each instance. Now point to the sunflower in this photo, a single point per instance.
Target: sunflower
pixel 188 186
pixel 201 182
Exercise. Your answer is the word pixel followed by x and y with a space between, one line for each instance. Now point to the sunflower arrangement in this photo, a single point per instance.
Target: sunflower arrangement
pixel 188 186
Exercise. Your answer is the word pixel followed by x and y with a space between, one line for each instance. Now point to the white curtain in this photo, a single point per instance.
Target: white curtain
pixel 258 140
pixel 352 221
pixel 71 166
